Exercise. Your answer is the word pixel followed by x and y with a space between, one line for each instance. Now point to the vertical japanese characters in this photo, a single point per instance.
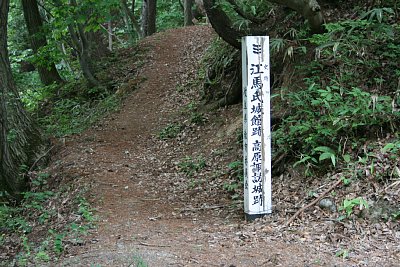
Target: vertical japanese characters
pixel 256 128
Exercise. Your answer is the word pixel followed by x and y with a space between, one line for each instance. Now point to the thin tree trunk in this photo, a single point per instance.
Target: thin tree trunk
pixel 82 47
pixel 83 54
pixel 48 72
pixel 19 138
pixel 110 34
pixel 149 12
pixel 64 61
pixel 144 18
pixel 131 16
pixel 152 17
pixel 128 25
pixel 187 12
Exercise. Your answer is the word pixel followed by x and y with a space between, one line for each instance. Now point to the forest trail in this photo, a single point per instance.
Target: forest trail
pixel 149 212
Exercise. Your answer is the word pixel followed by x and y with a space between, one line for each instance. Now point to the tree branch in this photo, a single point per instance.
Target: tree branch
pixel 131 16
pixel 222 24
pixel 309 9
pixel 245 15
pixel 338 182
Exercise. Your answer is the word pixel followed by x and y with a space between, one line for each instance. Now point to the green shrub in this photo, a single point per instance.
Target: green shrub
pixel 351 92
pixel 322 116
pixel 235 183
pixel 170 131
pixel 190 166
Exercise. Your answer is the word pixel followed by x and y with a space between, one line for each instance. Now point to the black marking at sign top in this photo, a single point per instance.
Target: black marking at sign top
pixel 257 49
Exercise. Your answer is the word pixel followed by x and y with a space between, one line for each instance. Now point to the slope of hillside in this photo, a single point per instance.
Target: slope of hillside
pixel 156 172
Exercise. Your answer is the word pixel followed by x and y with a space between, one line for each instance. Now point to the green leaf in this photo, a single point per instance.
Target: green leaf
pixel 324 156
pixel 346 181
pixel 324 149
pixel 303 159
pixel 333 159
pixel 388 147
pixel 253 10
pixel 328 155
pixel 347 158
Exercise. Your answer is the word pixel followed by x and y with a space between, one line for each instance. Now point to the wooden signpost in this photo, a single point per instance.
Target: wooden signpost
pixel 256 126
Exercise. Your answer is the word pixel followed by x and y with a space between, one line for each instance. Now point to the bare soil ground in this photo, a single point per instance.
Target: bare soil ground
pixel 151 213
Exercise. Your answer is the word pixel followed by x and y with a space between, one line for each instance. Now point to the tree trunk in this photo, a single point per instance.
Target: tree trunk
pixel 222 24
pixel 187 12
pixel 19 138
pixel 309 9
pixel 81 46
pixel 149 12
pixel 144 17
pixel 151 26
pixel 47 71
pixel 110 34
pixel 131 16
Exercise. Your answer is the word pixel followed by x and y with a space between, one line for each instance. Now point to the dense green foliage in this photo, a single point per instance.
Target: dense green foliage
pixel 170 14
pixel 351 92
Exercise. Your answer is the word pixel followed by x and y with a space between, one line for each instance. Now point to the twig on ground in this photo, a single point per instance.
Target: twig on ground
pixel 39 158
pixel 150 199
pixel 105 183
pixel 204 208
pixel 154 245
pixel 313 202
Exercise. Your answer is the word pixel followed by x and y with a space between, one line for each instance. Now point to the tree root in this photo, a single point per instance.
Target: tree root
pixel 313 202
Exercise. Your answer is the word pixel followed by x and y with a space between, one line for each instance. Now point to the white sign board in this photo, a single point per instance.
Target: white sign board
pixel 256 126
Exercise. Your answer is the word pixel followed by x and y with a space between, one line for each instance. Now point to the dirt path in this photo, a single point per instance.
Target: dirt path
pixel 149 212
